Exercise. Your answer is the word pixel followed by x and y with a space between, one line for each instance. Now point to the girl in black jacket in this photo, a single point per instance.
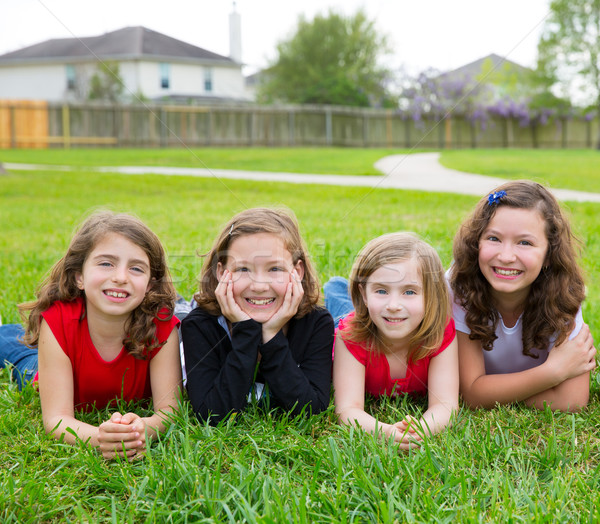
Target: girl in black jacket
pixel 257 333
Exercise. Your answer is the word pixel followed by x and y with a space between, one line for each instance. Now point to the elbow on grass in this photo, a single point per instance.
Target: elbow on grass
pixel 570 405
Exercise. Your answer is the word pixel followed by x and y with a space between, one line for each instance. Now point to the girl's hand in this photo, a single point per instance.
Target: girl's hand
pixel 289 307
pixel 122 435
pixel 224 293
pixel 406 433
pixel 573 357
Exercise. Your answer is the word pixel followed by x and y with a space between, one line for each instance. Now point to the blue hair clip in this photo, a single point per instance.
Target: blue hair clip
pixel 495 197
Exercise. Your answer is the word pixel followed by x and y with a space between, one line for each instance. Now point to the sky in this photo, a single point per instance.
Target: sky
pixel 440 34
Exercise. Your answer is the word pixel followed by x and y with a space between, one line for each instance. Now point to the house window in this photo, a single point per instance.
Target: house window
pixel 71 77
pixel 164 76
pixel 208 82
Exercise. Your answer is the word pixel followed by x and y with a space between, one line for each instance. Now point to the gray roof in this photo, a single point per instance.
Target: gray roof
pixel 473 69
pixel 123 44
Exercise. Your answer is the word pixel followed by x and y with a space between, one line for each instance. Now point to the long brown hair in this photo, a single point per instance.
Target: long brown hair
pixel 554 297
pixel 388 249
pixel 250 222
pixel 61 284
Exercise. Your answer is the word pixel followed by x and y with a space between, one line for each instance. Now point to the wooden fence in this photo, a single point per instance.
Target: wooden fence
pixel 33 124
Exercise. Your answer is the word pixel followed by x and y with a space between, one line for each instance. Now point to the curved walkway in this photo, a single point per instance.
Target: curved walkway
pixel 418 171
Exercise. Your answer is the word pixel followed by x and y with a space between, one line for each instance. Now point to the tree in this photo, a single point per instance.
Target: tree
pixel 331 59
pixel 569 48
pixel 106 83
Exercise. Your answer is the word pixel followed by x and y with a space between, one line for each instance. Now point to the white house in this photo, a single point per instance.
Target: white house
pixel 152 65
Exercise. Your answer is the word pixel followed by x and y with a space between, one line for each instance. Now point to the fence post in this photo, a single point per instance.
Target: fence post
pixel 116 126
pixel 209 125
pixel 250 126
pixel 163 127
pixel 473 131
pixel 388 128
pixel 66 124
pixel 328 127
pixel 13 127
pixel 534 135
pixel 448 132
pixel 292 127
pixel 365 129
pixel 588 134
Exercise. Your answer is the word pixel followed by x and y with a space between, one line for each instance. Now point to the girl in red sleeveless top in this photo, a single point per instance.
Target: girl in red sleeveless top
pixel 104 329
pixel 400 339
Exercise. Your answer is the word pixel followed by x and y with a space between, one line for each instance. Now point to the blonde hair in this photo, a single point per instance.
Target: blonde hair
pixel 61 283
pixel 281 223
pixel 388 249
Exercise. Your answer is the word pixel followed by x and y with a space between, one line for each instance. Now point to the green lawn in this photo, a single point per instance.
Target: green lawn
pixel 504 465
pixel 569 169
pixel 292 160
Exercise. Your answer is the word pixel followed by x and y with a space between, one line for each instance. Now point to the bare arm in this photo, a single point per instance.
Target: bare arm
pixel 165 380
pixel 56 391
pixel 349 394
pixel 442 389
pixel 562 381
pixel 112 437
pixel 570 395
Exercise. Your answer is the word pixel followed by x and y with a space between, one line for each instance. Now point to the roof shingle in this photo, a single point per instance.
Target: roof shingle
pixel 130 42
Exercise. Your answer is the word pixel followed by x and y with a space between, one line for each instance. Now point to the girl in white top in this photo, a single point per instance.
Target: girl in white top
pixel 517 303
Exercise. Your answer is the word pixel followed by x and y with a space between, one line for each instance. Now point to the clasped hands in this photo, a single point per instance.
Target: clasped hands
pixel 123 436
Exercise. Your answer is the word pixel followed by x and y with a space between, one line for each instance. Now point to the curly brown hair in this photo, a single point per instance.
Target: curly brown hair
pixel 556 294
pixel 61 283
pixel 249 222
pixel 387 249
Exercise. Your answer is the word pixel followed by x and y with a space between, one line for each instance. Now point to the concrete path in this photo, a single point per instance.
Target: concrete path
pixel 418 171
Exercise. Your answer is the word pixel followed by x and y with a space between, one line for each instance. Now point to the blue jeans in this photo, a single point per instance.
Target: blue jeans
pixel 24 360
pixel 337 298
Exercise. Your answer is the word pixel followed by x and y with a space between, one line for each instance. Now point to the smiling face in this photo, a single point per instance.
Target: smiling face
pixel 261 268
pixel 115 277
pixel 393 295
pixel 512 251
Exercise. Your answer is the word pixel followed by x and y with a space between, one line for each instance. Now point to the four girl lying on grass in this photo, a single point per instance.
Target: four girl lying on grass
pixel 104 328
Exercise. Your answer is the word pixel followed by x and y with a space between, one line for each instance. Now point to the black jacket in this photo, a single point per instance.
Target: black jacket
pixel 221 371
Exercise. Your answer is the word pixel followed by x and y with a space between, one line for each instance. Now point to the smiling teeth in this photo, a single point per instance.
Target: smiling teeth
pixel 394 320
pixel 508 272
pixel 115 294
pixel 260 302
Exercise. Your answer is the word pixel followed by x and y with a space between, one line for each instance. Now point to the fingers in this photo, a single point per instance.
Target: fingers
pixel 129 418
pixel 289 307
pixel 297 289
pixel 409 433
pixel 221 290
pixel 407 423
pixel 128 454
pixel 293 296
pixel 412 444
pixel 119 438
pixel 584 333
pixel 592 356
pixel 224 295
pixel 116 417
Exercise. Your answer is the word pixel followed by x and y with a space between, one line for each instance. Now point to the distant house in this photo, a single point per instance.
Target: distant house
pixel 502 74
pixel 152 65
